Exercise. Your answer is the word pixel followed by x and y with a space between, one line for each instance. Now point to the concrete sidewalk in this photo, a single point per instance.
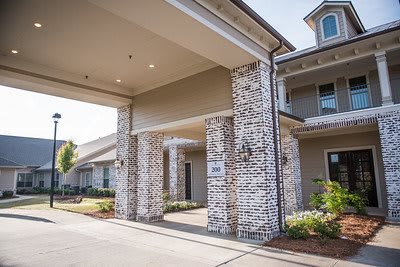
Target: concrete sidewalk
pixel 58 238
pixel 18 198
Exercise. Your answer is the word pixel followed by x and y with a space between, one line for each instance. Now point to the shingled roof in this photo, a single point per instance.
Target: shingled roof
pixel 25 151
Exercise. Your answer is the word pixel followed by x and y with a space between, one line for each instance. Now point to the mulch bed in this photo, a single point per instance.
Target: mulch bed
pixel 68 199
pixel 357 230
pixel 102 215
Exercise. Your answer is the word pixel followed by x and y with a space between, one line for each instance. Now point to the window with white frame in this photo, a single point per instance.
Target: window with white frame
pixel 40 177
pixel 106 177
pixel 327 99
pixel 329 26
pixel 88 178
pixel 57 180
pixel 359 94
pixel 25 180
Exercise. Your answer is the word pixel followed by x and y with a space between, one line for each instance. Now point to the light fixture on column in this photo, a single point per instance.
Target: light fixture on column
pixel 118 163
pixel 244 152
pixel 284 159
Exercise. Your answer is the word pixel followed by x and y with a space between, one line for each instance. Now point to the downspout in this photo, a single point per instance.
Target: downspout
pixel 276 141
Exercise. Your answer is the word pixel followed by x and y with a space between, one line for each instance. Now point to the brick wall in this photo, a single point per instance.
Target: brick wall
pixel 150 176
pixel 126 176
pixel 257 193
pixel 389 131
pixel 222 217
pixel 176 173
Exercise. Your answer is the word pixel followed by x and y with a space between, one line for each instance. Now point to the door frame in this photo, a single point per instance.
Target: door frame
pixel 354 148
pixel 191 179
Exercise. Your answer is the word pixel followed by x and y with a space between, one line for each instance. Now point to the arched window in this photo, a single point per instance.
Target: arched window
pixel 329 26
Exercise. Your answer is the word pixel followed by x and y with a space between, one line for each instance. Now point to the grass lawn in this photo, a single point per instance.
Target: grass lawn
pixel 89 205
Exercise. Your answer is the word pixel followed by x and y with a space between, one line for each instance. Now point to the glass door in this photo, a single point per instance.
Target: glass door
pixel 359 93
pixel 188 180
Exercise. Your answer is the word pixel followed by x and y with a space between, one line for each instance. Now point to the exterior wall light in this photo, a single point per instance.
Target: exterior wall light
pixel 284 159
pixel 118 163
pixel 244 152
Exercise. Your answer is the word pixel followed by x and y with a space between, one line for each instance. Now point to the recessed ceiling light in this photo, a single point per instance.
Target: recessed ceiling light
pixel 37 25
pixel 14 51
pixel 118 80
pixel 151 66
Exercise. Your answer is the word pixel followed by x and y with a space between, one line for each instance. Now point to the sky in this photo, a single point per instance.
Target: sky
pixel 25 113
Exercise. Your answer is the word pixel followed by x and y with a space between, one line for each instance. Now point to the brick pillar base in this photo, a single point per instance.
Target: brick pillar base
pixel 389 131
pixel 222 216
pixel 126 176
pixel 150 177
pixel 292 175
pixel 177 173
pixel 257 189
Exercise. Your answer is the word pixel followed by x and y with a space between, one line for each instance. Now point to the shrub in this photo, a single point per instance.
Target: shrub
pixel 181 205
pixel 165 196
pixel 336 198
pixel 301 224
pixel 102 192
pixel 8 194
pixel 105 206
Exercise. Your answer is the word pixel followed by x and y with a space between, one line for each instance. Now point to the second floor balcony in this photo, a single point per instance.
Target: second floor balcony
pixel 331 100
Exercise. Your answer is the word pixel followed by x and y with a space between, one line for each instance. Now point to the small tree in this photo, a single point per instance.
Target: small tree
pixel 66 159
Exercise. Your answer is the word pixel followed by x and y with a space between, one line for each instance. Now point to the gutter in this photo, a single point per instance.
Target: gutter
pixel 275 123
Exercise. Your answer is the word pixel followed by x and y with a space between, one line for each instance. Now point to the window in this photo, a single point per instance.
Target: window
pixel 359 93
pixel 354 170
pixel 57 180
pixel 106 177
pixel 329 26
pixel 188 180
pixel 40 179
pixel 25 180
pixel 88 178
pixel 327 99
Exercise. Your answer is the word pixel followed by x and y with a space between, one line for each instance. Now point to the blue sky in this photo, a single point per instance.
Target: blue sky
pixel 26 113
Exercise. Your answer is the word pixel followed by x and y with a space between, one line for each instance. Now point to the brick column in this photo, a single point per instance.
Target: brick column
pixel 389 131
pixel 291 174
pixel 126 176
pixel 177 173
pixel 150 176
pixel 222 217
pixel 257 197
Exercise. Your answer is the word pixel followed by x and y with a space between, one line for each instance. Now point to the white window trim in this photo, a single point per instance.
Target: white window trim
pixel 374 159
pixel 319 102
pixel 322 26
pixel 191 179
pixel 368 86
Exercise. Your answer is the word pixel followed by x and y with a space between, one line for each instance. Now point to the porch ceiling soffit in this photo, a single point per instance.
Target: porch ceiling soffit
pixel 192 26
pixel 340 55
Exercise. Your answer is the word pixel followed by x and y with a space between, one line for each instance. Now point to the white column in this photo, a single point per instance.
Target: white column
pixel 281 83
pixel 384 80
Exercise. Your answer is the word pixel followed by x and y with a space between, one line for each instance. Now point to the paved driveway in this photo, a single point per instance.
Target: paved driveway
pixel 59 238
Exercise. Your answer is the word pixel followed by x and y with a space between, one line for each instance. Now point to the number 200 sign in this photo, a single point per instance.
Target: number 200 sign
pixel 215 168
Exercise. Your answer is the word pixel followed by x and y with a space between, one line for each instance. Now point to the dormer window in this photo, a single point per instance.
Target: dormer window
pixel 329 25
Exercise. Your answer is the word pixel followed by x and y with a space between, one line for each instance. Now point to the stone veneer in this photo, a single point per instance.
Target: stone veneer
pixel 176 173
pixel 389 131
pixel 222 217
pixel 126 176
pixel 150 176
pixel 292 174
pixel 257 187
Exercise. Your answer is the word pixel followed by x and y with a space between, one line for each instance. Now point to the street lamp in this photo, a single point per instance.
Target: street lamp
pixel 55 117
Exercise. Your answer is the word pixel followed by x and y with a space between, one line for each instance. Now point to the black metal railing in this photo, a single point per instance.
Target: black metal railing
pixel 337 101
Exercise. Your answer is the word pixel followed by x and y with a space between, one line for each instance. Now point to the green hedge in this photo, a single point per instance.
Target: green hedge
pixel 43 190
pixel 7 194
pixel 102 192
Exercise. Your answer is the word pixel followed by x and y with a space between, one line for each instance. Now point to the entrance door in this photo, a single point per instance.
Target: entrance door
pixel 354 170
pixel 188 180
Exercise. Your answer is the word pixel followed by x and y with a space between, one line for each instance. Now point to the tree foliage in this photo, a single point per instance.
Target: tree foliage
pixel 66 157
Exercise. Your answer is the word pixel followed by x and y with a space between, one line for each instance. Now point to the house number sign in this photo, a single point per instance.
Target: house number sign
pixel 216 168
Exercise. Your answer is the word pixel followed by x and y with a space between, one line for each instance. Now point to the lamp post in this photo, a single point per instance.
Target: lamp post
pixel 55 117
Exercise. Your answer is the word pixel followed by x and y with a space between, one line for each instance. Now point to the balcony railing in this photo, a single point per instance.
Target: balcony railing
pixel 338 101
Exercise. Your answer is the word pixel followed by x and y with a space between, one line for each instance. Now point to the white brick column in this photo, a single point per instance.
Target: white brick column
pixel 384 80
pixel 177 173
pixel 126 176
pixel 257 187
pixel 389 131
pixel 291 174
pixel 150 176
pixel 281 83
pixel 222 217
